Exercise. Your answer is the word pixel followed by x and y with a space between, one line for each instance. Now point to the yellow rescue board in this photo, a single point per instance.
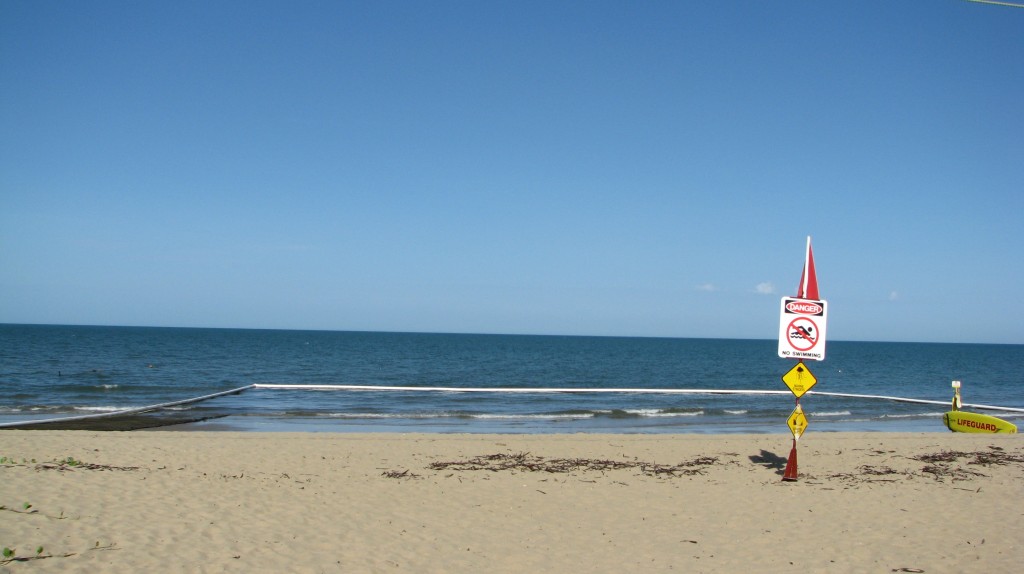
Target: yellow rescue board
pixel 962 421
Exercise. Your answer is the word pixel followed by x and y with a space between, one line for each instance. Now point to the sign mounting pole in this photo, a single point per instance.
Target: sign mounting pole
pixel 801 336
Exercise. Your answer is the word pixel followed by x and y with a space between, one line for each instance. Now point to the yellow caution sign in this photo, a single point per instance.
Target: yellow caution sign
pixel 799 379
pixel 797 422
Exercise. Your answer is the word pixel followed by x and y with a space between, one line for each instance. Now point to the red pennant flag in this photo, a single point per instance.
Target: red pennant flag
pixel 808 288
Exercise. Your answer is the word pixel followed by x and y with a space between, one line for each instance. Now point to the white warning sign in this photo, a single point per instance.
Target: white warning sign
pixel 802 329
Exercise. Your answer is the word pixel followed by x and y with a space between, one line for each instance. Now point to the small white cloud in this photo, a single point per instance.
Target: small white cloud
pixel 709 287
pixel 765 288
pixel 893 295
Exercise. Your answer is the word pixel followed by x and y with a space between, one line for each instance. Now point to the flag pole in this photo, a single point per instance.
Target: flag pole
pixel 807 289
pixel 807 270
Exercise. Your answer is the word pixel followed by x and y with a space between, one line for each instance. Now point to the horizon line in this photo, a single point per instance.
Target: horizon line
pixel 493 334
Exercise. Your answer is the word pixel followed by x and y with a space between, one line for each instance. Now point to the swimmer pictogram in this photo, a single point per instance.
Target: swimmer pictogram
pixel 803 334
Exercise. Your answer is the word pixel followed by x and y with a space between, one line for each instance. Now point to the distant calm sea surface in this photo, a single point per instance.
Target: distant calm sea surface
pixel 53 371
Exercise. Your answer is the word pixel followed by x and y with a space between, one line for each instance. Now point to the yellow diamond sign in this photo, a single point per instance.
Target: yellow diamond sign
pixel 797 422
pixel 799 379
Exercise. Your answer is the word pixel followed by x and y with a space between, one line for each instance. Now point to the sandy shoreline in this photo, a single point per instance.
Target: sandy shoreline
pixel 319 502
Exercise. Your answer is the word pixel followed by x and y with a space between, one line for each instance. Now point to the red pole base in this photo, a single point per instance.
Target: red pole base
pixel 790 474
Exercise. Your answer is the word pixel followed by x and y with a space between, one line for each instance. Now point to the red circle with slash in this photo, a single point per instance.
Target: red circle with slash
pixel 803 334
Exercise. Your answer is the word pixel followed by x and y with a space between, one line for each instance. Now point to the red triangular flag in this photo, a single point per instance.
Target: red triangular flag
pixel 808 288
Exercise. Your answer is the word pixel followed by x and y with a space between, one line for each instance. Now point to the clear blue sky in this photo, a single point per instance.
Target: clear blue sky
pixel 597 168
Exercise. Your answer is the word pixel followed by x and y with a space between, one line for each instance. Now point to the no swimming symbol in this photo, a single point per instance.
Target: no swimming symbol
pixel 803 334
pixel 802 329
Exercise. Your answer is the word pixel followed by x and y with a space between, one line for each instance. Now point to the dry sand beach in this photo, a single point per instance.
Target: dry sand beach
pixel 265 502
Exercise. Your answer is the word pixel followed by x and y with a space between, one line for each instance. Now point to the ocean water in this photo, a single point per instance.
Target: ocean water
pixel 56 371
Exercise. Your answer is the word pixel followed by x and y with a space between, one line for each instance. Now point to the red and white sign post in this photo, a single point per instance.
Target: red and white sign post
pixel 801 336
